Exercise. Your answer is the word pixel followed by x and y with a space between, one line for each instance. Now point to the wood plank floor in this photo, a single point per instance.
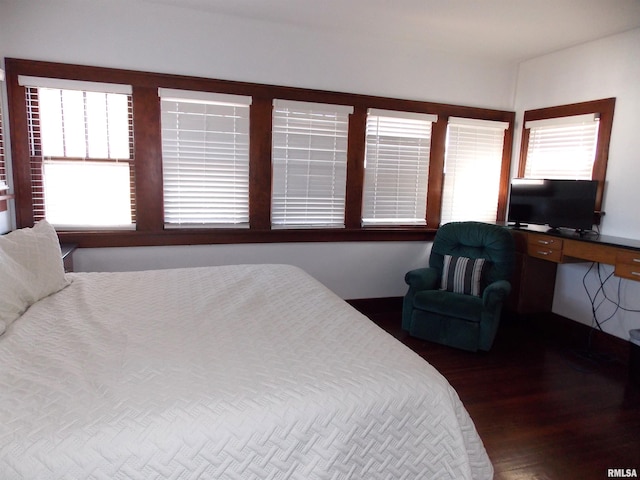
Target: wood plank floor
pixel 546 404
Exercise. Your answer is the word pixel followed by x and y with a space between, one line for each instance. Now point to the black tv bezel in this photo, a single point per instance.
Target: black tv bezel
pixel 547 215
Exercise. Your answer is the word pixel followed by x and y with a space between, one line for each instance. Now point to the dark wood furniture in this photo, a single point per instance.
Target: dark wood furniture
pixel 67 255
pixel 4 199
pixel 539 251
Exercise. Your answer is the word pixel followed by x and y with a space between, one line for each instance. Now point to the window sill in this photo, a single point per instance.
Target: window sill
pixel 225 236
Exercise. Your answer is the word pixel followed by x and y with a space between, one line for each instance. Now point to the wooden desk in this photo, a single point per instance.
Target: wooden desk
pixel 539 251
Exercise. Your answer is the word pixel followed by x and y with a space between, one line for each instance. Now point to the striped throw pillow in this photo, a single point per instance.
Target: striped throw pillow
pixel 462 274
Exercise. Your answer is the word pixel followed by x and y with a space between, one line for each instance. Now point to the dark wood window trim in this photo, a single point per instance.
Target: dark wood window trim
pixel 604 108
pixel 4 196
pixel 3 172
pixel 147 144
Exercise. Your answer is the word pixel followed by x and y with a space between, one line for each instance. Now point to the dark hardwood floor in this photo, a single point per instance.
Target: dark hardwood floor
pixel 547 402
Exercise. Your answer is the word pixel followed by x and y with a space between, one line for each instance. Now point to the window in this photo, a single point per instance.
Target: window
pixel 563 148
pixel 473 162
pixel 115 158
pixel 205 158
pixel 81 143
pixel 568 142
pixel 396 171
pixel 309 159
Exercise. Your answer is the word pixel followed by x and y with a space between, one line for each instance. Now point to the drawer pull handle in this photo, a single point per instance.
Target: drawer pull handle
pixel 636 260
pixel 636 274
pixel 541 252
pixel 545 242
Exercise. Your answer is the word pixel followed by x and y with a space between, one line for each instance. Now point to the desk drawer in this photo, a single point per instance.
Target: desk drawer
pixel 626 270
pixel 590 252
pixel 628 264
pixel 631 257
pixel 545 247
pixel 545 253
pixel 545 241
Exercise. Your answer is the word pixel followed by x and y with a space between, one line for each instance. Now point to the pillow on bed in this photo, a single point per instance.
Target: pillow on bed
pixel 30 269
pixel 462 274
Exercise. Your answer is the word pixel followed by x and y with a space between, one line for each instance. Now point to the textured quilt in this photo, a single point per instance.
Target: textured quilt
pixel 235 372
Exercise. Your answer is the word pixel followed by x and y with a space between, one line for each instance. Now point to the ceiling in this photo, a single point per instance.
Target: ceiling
pixel 506 30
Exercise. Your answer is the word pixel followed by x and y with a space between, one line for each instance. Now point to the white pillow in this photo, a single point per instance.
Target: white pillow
pixel 30 269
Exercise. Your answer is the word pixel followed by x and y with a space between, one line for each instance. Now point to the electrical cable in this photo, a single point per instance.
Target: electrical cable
pixel 597 303
pixel 618 301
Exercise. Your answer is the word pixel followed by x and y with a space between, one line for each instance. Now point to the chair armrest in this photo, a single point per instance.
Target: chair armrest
pixel 495 293
pixel 419 279
pixel 422 279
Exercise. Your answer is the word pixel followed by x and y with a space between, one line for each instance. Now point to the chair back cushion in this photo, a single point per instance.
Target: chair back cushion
pixel 463 275
pixel 476 240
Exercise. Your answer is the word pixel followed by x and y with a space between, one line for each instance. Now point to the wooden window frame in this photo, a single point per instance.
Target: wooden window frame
pixel 37 159
pixel 297 201
pixel 3 168
pixel 219 146
pixel 148 153
pixel 604 108
pixel 3 171
pixel 404 140
pixel 506 140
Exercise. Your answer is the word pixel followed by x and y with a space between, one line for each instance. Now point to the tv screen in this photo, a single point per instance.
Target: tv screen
pixel 557 203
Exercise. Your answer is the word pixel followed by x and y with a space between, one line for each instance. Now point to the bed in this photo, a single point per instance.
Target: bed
pixel 230 372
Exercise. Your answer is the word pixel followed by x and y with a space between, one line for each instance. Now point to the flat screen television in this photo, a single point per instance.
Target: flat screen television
pixel 558 203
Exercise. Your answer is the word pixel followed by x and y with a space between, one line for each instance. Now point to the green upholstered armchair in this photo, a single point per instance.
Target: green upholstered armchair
pixel 457 300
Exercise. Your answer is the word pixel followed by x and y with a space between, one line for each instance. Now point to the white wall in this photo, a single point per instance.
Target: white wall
pixel 136 35
pixel 144 36
pixel 352 270
pixel 606 68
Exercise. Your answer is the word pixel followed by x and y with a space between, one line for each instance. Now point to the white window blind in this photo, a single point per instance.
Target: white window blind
pixel 79 85
pixel 205 158
pixel 472 166
pixel 81 148
pixel 562 148
pixel 309 160
pixel 398 146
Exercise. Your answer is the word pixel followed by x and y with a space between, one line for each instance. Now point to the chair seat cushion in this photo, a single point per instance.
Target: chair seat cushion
pixel 450 304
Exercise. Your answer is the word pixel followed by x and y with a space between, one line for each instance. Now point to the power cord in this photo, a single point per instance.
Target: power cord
pixel 617 302
pixel 598 299
pixel 600 290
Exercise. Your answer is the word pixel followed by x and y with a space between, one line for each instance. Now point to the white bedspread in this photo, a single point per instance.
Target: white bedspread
pixel 239 372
